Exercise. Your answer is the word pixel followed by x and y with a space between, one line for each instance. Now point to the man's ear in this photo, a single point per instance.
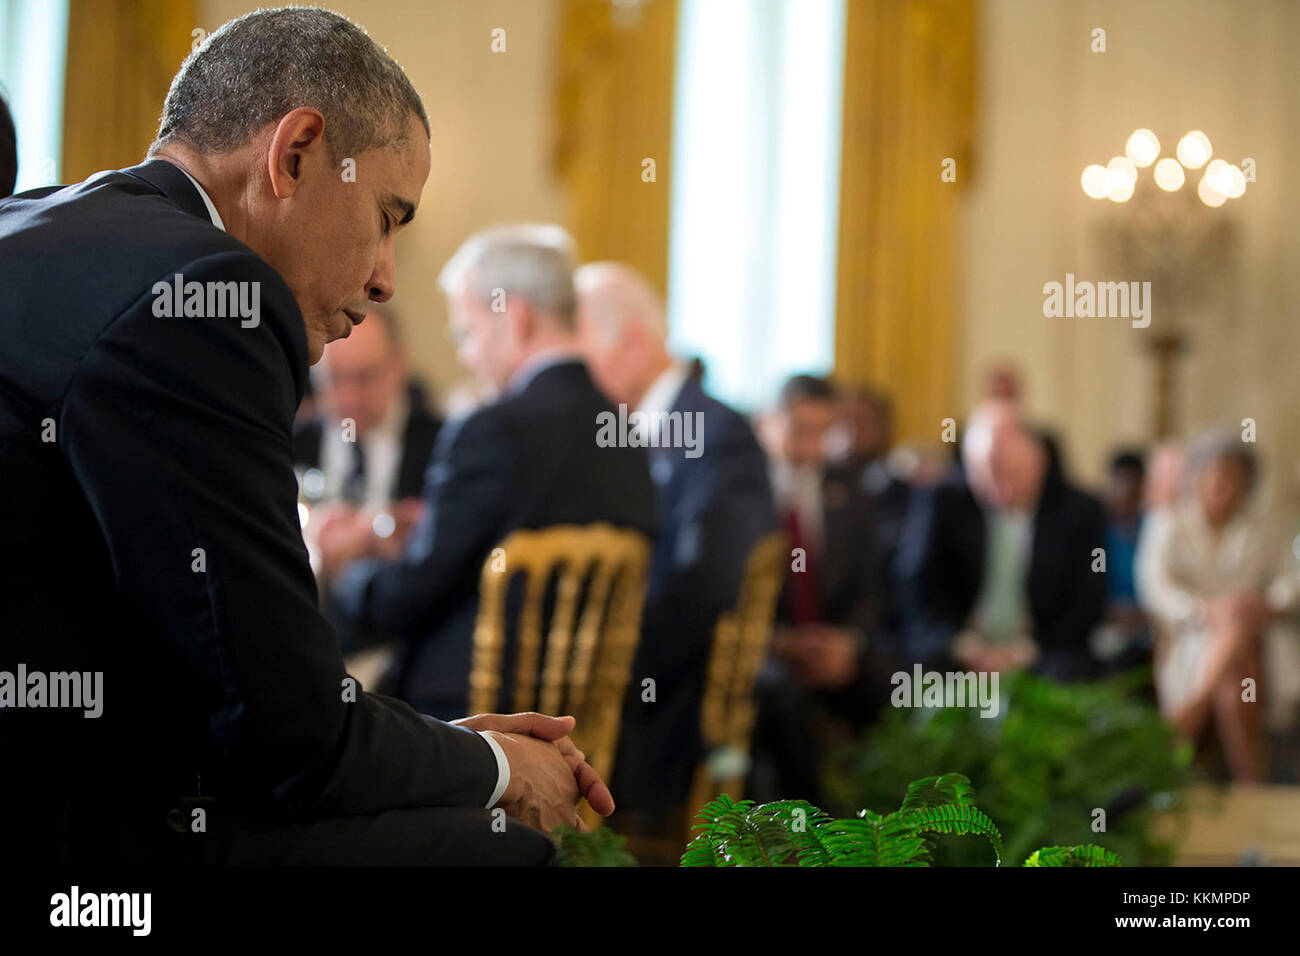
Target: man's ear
pixel 519 315
pixel 298 136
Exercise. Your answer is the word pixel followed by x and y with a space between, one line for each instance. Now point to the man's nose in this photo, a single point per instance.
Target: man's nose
pixel 383 281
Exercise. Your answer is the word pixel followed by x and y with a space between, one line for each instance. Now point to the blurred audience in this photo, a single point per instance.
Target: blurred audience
pixel 1005 382
pixel 1123 640
pixel 862 432
pixel 1220 581
pixel 860 445
pixel 996 565
pixel 713 508
pixel 363 455
pixel 824 672
pixel 374 431
pixel 527 459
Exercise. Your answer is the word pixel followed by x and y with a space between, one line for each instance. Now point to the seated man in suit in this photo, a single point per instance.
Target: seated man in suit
pixel 374 431
pixel 528 459
pixel 863 435
pixel 361 459
pixel 714 506
pixel 997 568
pixel 828 670
pixel 151 559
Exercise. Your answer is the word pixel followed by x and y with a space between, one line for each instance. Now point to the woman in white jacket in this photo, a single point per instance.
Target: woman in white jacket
pixel 1218 577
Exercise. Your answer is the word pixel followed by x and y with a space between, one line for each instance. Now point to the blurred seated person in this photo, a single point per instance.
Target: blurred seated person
pixel 714 502
pixel 859 445
pixel 1004 381
pixel 1219 581
pixel 825 677
pixel 1123 639
pixel 996 563
pixel 366 450
pixel 528 459
pixel 861 434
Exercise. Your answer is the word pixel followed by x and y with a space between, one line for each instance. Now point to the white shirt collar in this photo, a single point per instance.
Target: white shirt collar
pixel 663 391
pixel 207 201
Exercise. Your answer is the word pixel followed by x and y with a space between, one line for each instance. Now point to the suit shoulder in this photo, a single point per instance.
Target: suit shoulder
pixel 83 258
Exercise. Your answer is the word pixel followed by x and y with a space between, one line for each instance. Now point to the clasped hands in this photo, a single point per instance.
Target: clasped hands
pixel 548 773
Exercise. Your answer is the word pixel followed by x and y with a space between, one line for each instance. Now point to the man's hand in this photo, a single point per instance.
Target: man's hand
pixel 823 656
pixel 531 743
pixel 343 535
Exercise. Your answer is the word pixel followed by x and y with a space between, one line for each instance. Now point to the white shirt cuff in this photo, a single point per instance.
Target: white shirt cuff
pixel 503 770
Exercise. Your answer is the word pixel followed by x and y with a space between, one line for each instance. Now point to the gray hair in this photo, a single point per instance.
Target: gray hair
pixel 530 260
pixel 260 66
pixel 1223 444
pixel 613 294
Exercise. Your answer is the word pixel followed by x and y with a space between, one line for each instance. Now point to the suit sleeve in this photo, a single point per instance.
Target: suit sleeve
pixel 1064 644
pixel 927 633
pixel 466 494
pixel 718 522
pixel 178 432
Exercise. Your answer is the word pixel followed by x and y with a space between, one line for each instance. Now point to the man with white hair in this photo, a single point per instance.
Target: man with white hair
pixel 714 504
pixel 528 459
pixel 999 567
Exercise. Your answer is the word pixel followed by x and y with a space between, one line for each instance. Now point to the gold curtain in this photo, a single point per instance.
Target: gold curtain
pixel 122 55
pixel 909 104
pixel 614 110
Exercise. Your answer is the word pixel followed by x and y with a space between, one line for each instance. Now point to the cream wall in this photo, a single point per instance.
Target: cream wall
pixel 1050 106
pixel 491 117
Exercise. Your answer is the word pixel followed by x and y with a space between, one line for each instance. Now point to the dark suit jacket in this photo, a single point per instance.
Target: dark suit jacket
pixel 157 540
pixel 712 511
pixel 849 582
pixel 941 568
pixel 528 460
pixel 418 439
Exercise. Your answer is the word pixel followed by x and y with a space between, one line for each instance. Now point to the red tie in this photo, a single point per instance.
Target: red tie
pixel 805 585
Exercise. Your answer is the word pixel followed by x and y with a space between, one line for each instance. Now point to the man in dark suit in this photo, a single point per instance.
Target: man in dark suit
pixel 361 459
pixel 528 459
pixel 863 435
pixel 828 668
pixel 715 503
pixel 998 565
pixel 158 326
pixel 374 432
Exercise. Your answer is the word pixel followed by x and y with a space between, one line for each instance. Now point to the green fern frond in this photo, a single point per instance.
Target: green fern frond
pixel 866 842
pixel 794 832
pixel 950 819
pixel 951 788
pixel 1086 854
pixel 740 834
pixel 601 847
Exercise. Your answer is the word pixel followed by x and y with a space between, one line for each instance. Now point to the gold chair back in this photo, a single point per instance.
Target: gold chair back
pixel 740 642
pixel 592 635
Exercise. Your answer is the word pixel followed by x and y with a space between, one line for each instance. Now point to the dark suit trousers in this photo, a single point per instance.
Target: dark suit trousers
pixel 111 833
